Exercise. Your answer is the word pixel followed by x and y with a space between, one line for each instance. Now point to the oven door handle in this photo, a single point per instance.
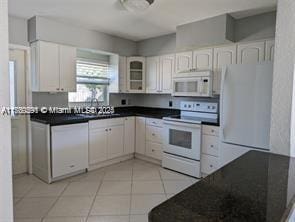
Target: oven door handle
pixel 176 123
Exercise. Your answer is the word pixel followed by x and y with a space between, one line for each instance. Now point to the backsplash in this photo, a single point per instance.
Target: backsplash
pixel 154 100
pixel 50 99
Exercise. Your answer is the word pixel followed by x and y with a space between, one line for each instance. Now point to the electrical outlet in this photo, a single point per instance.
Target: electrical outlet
pixel 123 102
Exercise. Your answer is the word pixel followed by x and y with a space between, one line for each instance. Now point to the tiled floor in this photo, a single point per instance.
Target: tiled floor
pixel 124 192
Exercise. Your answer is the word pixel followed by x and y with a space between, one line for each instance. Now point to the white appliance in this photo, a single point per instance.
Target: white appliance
pixel 182 137
pixel 245 110
pixel 193 83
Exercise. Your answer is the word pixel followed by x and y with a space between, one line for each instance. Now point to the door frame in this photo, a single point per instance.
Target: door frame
pixel 27 51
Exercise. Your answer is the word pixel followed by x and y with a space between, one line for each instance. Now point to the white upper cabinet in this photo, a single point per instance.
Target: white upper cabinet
pixel 167 70
pixel 153 74
pixel 249 53
pixel 53 67
pixel 223 56
pixel 159 72
pixel 122 74
pixel 67 68
pixel 136 74
pixel 184 61
pixel 203 59
pixel 269 50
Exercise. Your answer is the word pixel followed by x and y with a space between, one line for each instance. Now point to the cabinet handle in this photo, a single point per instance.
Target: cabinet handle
pixel 110 129
pixel 106 130
pixel 211 146
pixel 153 134
pixel 57 88
pixel 62 89
pixel 212 131
pixel 72 166
pixel 154 123
pixel 211 165
pixel 153 150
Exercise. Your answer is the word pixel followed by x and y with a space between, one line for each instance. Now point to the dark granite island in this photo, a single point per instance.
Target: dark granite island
pixel 255 187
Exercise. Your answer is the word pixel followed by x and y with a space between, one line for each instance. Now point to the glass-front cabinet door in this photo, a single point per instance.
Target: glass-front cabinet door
pixel 136 75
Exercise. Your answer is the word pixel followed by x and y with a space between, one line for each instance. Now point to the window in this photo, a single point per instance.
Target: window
pixel 92 82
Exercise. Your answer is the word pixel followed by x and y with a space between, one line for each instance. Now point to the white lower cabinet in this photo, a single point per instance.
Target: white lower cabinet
pixel 98 145
pixel 140 135
pixel 129 135
pixel 209 164
pixel 115 141
pixel 106 139
pixel 154 150
pixel 210 149
pixel 69 149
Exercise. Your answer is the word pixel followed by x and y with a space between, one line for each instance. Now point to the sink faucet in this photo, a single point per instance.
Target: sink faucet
pixel 94 100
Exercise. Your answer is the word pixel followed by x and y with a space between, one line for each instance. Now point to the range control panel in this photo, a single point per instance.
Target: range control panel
pixel 205 107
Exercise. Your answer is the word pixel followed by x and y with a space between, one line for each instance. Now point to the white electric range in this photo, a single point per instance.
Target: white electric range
pixel 182 136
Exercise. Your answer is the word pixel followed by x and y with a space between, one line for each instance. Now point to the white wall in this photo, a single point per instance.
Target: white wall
pixel 41 28
pixel 18 31
pixel 282 133
pixel 6 214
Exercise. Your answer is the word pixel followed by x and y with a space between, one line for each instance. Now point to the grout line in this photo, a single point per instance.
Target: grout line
pixel 95 196
pixel 130 202
pixel 42 219
pixel 163 184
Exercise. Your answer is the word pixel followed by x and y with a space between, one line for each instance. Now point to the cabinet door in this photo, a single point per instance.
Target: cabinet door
pixel 122 74
pixel 67 68
pixel 167 70
pixel 136 74
pixel 203 59
pixel 223 56
pixel 129 135
pixel 250 53
pixel 98 145
pixel 269 50
pixel 140 135
pixel 153 74
pixel 115 141
pixel 184 61
pixel 48 68
pixel 69 149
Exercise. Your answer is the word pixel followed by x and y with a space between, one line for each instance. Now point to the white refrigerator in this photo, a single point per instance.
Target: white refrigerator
pixel 245 109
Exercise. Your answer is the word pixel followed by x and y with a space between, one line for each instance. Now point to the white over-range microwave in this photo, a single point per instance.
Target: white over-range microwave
pixel 193 83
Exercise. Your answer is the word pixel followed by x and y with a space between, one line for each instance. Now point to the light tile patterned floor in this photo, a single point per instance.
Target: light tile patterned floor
pixel 123 192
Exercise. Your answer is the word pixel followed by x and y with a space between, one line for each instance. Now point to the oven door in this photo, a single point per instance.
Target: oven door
pixel 182 139
pixel 187 86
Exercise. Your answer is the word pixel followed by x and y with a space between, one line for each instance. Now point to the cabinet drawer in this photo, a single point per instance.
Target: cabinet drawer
pixel 94 124
pixel 154 122
pixel 209 164
pixel 210 145
pixel 211 130
pixel 154 150
pixel 154 134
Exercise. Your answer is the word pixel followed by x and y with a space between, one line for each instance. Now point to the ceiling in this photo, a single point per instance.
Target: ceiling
pixel 110 17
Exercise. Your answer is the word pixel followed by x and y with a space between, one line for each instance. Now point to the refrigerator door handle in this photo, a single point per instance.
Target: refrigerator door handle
pixel 224 74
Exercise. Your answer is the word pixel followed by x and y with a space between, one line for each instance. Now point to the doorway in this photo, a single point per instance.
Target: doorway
pixel 17 77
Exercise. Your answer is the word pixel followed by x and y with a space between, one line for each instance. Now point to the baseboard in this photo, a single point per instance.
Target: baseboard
pixel 110 162
pixel 148 159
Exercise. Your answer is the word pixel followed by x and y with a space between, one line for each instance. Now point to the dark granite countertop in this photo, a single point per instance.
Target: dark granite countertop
pixel 62 119
pixel 255 187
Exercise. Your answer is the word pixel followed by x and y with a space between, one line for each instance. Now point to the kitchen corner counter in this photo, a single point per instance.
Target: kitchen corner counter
pixel 255 187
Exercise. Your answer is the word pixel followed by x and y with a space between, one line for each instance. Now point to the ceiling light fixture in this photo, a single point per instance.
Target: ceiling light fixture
pixel 137 5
